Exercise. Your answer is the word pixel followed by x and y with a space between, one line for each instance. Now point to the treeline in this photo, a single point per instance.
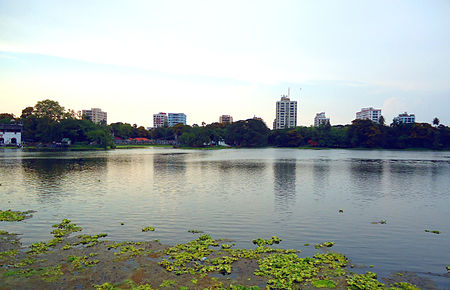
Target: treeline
pixel 49 122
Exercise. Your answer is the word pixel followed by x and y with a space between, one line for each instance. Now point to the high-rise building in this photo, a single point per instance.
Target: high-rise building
pixel 226 119
pixel 96 115
pixel 286 113
pixel 176 118
pixel 160 120
pixel 321 119
pixel 369 114
pixel 405 118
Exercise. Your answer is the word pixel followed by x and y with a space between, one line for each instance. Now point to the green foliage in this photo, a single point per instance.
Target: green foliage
pixel 78 262
pixel 38 248
pixel 433 231
pixel 89 240
pixel 324 245
pixel 364 281
pixel 64 229
pixel 323 283
pixel 167 283
pixel 146 229
pixel 404 285
pixel 262 242
pixel 11 216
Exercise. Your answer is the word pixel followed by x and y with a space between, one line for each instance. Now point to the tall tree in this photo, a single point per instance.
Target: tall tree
pixel 49 109
pixel 436 121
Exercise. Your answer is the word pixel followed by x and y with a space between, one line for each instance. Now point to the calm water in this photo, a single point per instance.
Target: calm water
pixel 244 194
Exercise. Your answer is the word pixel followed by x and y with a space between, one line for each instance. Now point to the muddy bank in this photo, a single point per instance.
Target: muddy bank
pixel 75 260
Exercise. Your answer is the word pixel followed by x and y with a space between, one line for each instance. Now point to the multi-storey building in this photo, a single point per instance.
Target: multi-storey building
pixel 286 114
pixel 321 119
pixel 96 115
pixel 10 134
pixel 226 119
pixel 160 120
pixel 405 118
pixel 369 114
pixel 176 118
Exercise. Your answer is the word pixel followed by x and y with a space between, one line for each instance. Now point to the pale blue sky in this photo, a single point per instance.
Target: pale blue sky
pixel 207 58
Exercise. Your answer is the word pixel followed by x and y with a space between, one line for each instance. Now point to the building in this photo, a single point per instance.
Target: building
pixel 226 119
pixel 405 118
pixel 321 119
pixel 160 120
pixel 96 115
pixel 286 113
pixel 176 118
pixel 369 114
pixel 10 134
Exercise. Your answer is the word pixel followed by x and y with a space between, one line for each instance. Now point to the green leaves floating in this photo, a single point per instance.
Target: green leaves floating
pixel 14 216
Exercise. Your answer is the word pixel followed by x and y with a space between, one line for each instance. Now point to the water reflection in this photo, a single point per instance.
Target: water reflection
pixel 48 176
pixel 367 178
pixel 321 173
pixel 284 173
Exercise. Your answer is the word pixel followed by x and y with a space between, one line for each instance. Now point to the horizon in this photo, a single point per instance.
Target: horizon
pixel 135 59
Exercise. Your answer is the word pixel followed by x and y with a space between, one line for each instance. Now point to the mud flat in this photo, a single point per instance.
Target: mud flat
pixel 72 260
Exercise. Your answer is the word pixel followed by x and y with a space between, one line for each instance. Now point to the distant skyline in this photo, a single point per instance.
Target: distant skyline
pixel 133 59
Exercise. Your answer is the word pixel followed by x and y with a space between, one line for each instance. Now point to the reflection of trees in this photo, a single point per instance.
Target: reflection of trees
pixel 49 174
pixel 321 172
pixel 167 164
pixel 367 177
pixel 284 172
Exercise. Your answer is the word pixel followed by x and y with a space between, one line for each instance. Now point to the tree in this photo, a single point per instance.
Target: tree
pixel 27 112
pixel 49 109
pixel 436 121
pixel 381 121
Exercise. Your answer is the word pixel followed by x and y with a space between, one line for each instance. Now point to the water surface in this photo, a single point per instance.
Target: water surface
pixel 243 194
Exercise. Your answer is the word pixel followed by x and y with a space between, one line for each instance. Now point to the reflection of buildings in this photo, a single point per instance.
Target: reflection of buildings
pixel 284 173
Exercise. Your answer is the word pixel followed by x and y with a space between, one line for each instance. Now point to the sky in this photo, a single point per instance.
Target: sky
pixel 207 58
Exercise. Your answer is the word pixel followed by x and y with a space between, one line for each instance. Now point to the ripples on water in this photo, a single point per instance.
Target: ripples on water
pixel 243 194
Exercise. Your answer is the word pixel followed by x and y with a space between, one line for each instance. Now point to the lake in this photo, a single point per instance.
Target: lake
pixel 243 194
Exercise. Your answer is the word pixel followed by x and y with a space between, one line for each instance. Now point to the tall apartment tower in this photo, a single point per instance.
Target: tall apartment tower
pixel 286 113
pixel 160 120
pixel 176 118
pixel 321 119
pixel 96 115
pixel 226 119
pixel 369 114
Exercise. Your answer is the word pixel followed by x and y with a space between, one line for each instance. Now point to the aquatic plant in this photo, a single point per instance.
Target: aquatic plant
pixel 324 245
pixel 89 240
pixel 195 231
pixel 284 270
pixel 434 231
pixel 64 228
pixel 323 283
pixel 146 229
pixel 14 216
pixel 38 248
pixel 403 285
pixel 167 283
pixel 262 242
pixel 364 281
pixel 79 261
pixel 11 253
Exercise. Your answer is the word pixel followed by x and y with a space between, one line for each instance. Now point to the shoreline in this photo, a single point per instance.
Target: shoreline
pixel 75 260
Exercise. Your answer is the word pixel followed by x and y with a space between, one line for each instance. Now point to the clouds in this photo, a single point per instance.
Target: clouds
pixel 379 49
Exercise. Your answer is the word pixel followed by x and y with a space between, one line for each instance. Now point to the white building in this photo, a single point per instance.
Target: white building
pixel 96 115
pixel 405 118
pixel 176 118
pixel 321 119
pixel 286 114
pixel 160 120
pixel 369 114
pixel 10 134
pixel 226 119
